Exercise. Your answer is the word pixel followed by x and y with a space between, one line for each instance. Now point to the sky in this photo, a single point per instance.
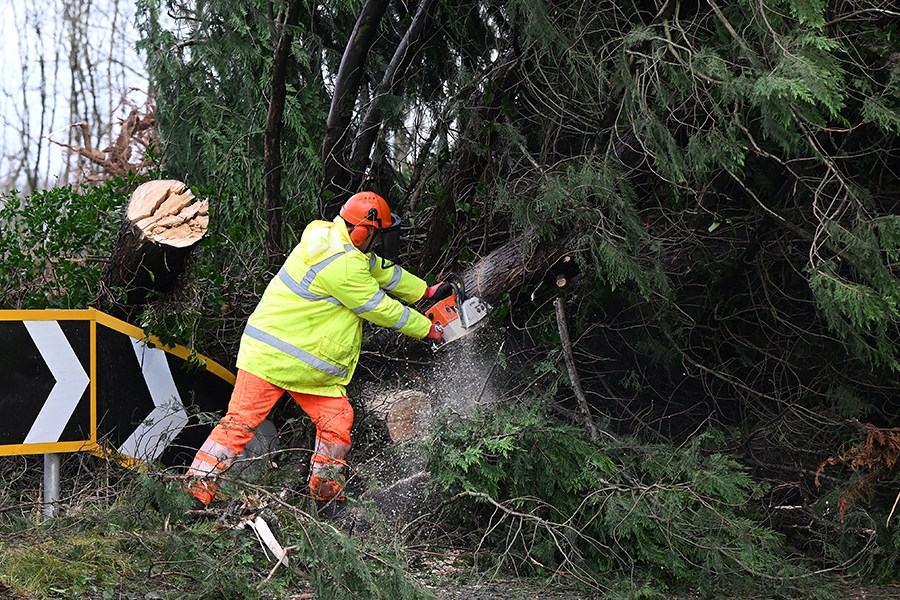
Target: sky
pixel 38 39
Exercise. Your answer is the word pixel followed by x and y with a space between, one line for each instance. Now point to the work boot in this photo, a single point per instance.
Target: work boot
pixel 337 512
pixel 332 509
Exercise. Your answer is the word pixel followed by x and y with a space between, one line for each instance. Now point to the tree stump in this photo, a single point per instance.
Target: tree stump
pixel 406 413
pixel 163 222
pixel 407 416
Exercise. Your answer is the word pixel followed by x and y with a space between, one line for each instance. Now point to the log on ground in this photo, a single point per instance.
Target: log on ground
pixel 163 222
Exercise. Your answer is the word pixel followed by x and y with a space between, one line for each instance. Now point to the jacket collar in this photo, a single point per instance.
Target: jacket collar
pixel 341 227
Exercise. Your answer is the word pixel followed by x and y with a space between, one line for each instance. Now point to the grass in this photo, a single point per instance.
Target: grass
pixel 69 565
pixel 94 556
pixel 123 534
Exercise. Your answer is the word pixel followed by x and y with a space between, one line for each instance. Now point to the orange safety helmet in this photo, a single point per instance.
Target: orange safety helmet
pixel 370 210
pixel 364 208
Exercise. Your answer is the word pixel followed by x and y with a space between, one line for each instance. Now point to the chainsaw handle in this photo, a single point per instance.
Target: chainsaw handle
pixel 459 288
pixel 445 311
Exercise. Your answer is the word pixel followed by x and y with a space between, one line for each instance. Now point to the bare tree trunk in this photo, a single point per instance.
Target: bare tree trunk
pixel 336 175
pixel 361 149
pixel 74 62
pixel 272 160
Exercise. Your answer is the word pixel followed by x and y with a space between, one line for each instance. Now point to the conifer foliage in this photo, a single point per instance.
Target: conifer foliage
pixel 547 500
pixel 724 178
pixel 722 174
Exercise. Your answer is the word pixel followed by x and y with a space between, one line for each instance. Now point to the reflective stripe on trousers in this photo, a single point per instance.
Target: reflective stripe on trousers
pixel 251 402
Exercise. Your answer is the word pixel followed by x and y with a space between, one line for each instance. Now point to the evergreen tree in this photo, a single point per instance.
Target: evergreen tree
pixel 721 173
pixel 212 77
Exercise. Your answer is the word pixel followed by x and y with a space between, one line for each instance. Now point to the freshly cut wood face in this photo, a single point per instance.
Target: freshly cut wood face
pixel 166 212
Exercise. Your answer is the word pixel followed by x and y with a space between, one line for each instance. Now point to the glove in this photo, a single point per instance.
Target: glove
pixel 435 333
pixel 439 291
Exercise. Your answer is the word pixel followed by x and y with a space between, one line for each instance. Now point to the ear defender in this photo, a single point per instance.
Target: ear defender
pixel 358 235
pixel 360 232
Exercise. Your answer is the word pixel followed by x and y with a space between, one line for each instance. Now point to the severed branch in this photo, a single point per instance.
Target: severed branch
pixel 281 561
pixel 562 534
pixel 139 131
pixel 573 374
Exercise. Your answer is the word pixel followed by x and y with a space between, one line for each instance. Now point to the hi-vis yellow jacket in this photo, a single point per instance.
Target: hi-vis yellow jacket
pixel 306 332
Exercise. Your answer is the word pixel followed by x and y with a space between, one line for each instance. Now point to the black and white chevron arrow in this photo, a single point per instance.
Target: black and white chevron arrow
pixel 44 382
pixel 168 417
pixel 146 399
pixel 71 381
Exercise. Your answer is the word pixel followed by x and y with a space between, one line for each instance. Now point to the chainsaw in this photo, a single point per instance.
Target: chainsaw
pixel 457 315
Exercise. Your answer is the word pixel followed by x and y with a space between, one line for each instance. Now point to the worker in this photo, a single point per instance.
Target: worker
pixel 304 337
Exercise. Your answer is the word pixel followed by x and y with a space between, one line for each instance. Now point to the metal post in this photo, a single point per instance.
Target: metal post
pixel 51 484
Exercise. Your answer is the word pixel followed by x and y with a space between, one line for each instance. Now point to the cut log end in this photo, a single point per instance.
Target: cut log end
pixel 163 221
pixel 166 212
pixel 406 413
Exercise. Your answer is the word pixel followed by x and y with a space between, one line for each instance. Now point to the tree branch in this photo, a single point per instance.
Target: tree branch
pixel 336 177
pixel 573 374
pixel 368 129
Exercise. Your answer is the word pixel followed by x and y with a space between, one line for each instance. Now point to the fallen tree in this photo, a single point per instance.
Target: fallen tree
pixel 513 266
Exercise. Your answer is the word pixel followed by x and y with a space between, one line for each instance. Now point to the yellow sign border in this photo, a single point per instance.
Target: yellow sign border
pixel 95 316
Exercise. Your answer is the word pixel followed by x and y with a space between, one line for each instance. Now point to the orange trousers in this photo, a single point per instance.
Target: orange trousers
pixel 251 402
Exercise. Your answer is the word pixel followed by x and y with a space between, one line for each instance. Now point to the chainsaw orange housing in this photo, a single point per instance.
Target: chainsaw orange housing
pixel 444 312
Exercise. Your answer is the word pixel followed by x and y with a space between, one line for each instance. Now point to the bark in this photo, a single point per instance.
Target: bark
pixel 272 160
pixel 163 222
pixel 510 267
pixel 336 175
pixel 362 146
pixel 573 372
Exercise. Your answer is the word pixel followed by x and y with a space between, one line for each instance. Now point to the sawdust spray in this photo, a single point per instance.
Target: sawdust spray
pixel 460 382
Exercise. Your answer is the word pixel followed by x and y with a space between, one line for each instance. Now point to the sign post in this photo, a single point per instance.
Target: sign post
pixel 51 484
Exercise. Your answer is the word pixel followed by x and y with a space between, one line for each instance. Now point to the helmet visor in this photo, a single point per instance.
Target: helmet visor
pixel 390 239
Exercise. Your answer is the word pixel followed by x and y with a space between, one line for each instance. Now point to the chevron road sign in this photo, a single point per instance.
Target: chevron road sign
pixel 73 380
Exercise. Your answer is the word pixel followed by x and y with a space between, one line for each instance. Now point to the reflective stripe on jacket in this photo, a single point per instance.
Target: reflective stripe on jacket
pixel 305 334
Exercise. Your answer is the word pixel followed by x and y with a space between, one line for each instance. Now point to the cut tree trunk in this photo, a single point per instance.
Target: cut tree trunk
pixel 511 267
pixel 406 413
pixel 163 222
